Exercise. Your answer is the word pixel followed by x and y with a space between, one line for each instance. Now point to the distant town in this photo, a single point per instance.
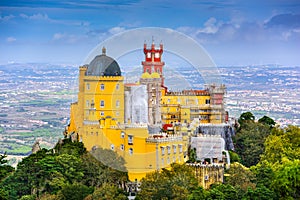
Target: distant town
pixel 35 99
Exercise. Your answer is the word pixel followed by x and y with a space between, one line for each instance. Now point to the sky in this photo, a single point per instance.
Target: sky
pixel 234 32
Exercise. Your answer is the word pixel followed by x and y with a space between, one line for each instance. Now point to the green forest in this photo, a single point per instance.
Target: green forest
pixel 264 165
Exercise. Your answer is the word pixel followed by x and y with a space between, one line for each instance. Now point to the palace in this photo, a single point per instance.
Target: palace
pixel 144 122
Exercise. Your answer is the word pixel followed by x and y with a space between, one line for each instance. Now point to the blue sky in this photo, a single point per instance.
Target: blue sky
pixel 233 32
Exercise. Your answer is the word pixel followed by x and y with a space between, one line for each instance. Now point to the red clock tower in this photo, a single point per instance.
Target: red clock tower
pixel 153 61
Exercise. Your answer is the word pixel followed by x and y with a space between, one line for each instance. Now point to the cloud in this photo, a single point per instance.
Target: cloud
pixel 6 18
pixel 37 16
pixel 210 26
pixel 11 39
pixel 284 20
pixel 116 30
pixel 284 27
pixel 58 36
pixel 68 38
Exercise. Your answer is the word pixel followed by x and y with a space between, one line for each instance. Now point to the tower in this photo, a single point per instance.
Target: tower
pixel 153 63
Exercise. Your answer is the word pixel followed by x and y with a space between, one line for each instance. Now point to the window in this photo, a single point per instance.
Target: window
pixel 87 103
pixel 158 70
pixel 117 103
pixel 102 86
pixel 102 113
pixel 122 147
pixel 87 86
pixel 174 159
pixel 122 135
pixel 130 151
pixel 174 148
pixel 112 147
pixel 169 149
pixel 117 113
pixel 207 101
pixel 92 104
pixel 168 100
pixel 162 161
pixel 102 103
pixel 180 148
pixel 178 100
pixel 168 160
pixel 162 150
pixel 118 86
pixel 130 139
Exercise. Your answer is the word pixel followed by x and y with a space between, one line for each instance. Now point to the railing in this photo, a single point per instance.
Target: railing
pixel 162 138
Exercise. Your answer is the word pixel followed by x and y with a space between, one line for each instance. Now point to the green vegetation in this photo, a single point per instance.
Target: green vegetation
pixel 66 172
pixel 265 165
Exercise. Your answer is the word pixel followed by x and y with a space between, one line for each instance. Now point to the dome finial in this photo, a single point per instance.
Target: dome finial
pixel 103 51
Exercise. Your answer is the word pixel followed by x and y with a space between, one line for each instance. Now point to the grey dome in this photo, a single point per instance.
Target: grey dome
pixel 103 65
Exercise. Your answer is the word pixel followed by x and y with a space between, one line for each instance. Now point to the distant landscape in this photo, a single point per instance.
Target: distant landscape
pixel 35 99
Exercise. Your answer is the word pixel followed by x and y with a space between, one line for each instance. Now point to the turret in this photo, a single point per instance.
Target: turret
pixel 153 62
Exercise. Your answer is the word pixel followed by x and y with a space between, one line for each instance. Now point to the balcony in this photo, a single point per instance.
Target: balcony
pixel 163 138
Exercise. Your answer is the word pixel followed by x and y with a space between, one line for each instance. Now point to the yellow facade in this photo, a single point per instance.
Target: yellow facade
pixel 180 107
pixel 98 118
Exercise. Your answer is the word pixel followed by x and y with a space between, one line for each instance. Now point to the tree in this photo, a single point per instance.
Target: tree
pixel 249 142
pixel 192 155
pixel 282 143
pixel 109 192
pixel 28 197
pixel 240 176
pixel 74 191
pixel 176 183
pixel 234 157
pixel 267 120
pixel 281 156
pixel 261 192
pixel 113 165
pixel 5 169
pixel 287 179
pixel 223 191
pixel 198 194
pixel 264 173
pixel 246 117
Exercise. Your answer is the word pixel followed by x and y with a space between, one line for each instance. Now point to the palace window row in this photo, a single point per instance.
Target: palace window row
pixel 102 86
pixel 169 149
pixel 102 104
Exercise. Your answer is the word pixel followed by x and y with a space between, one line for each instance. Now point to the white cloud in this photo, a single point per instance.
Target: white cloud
pixel 37 16
pixel 11 39
pixel 6 18
pixel 58 36
pixel 211 26
pixel 116 30
pixel 67 38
